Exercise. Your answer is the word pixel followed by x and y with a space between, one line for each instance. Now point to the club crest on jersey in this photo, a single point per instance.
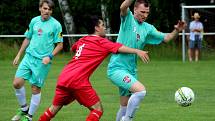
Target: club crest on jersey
pixel 40 31
pixel 127 79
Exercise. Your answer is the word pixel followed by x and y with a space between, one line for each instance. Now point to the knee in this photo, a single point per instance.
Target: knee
pixel 35 89
pixel 141 94
pixel 18 83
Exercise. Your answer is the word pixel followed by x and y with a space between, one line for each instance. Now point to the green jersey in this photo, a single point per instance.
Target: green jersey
pixel 42 36
pixel 135 35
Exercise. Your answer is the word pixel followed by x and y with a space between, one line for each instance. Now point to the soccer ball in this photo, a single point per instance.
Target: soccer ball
pixel 184 96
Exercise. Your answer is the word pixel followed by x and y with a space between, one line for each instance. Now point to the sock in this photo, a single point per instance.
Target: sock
pixel 47 116
pixel 133 104
pixel 20 94
pixel 121 112
pixel 94 115
pixel 35 101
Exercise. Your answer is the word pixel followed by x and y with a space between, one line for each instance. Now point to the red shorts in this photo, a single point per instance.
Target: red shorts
pixel 85 96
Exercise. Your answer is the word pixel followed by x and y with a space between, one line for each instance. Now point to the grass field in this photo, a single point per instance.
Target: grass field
pixel 161 78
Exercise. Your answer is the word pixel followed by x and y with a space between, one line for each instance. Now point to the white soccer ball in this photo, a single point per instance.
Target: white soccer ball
pixel 184 96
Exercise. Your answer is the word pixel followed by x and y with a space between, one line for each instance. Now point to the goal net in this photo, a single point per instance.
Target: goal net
pixel 207 17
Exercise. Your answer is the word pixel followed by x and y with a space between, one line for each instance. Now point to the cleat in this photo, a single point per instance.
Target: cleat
pixel 26 118
pixel 124 119
pixel 18 115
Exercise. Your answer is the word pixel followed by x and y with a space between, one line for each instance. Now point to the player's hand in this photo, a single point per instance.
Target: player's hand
pixel 181 25
pixel 16 60
pixel 143 55
pixel 46 60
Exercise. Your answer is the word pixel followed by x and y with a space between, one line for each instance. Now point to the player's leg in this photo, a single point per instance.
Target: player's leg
pixel 39 74
pixel 126 81
pixel 96 112
pixel 22 73
pixel 62 97
pixel 18 84
pixel 138 93
pixel 88 97
pixel 50 113
pixel 123 107
pixel 34 103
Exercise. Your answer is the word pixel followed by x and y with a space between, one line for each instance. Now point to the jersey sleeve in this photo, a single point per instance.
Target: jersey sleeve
pixel 126 20
pixel 109 45
pixel 29 32
pixel 154 36
pixel 58 37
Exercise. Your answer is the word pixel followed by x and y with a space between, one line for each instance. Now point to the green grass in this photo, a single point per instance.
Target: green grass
pixel 161 78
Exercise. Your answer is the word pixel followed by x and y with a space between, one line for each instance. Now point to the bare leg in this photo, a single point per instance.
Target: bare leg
pixel 196 55
pixel 96 112
pixel 190 54
pixel 134 101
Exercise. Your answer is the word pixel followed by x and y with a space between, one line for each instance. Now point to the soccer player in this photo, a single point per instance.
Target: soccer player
pixel 43 33
pixel 73 82
pixel 134 33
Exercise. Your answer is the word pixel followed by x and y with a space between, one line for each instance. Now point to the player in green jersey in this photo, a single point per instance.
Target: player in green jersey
pixel 135 33
pixel 43 34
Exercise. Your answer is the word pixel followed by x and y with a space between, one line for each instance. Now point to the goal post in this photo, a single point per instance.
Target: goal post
pixel 184 16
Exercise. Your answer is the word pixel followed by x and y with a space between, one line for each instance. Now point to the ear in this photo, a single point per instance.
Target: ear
pixel 40 9
pixel 96 28
pixel 135 10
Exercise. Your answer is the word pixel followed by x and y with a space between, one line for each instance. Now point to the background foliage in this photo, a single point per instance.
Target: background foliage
pixel 16 15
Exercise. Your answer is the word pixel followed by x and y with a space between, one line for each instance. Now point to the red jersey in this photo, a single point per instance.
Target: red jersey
pixel 90 52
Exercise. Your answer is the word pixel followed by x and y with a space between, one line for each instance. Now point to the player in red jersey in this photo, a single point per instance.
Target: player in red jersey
pixel 73 82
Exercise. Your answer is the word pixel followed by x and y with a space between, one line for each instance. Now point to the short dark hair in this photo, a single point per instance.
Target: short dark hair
pixel 91 23
pixel 49 2
pixel 145 2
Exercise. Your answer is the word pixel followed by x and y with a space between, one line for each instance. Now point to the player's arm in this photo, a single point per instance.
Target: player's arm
pixel 24 45
pixel 57 49
pixel 58 38
pixel 124 7
pixel 142 54
pixel 178 28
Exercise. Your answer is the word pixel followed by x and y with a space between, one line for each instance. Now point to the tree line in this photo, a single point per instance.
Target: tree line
pixel 16 14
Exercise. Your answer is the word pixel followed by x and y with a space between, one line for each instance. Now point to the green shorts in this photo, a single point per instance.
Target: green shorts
pixel 122 79
pixel 33 70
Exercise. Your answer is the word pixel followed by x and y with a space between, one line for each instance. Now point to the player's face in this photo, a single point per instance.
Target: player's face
pixel 101 28
pixel 141 12
pixel 45 11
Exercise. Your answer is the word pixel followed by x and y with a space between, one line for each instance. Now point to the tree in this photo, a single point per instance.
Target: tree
pixel 68 22
pixel 105 16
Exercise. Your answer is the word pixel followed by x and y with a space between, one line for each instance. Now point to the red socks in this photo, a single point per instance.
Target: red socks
pixel 47 116
pixel 94 115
